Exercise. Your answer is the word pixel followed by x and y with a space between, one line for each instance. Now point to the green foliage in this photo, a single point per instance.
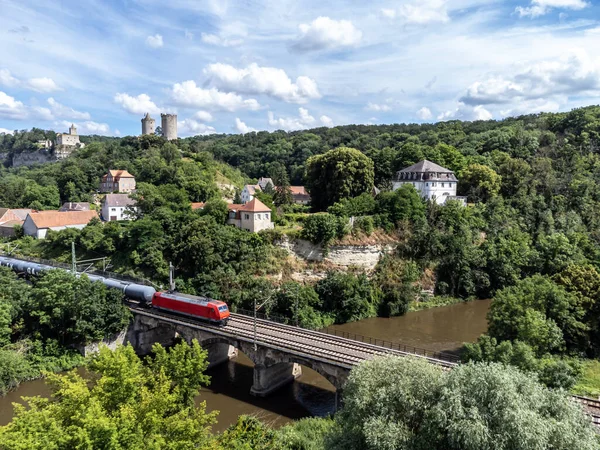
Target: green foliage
pixel 403 204
pixel 539 313
pixel 554 372
pixel 124 404
pixel 405 403
pixel 248 433
pixel 305 434
pixel 480 183
pixel 340 173
pixel 396 280
pixel 363 205
pixel 347 297
pixel 217 209
pixel 323 228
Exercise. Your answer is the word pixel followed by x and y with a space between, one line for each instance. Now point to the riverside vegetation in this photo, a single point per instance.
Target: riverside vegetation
pixel 529 237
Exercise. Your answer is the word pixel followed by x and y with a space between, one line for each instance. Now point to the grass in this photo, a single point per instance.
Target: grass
pixel 589 381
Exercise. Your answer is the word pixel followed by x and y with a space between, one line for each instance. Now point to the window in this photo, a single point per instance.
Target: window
pixel 426 184
pixel 113 209
pixel 267 216
pixel 247 216
pixel 442 184
pixel 258 216
pixel 223 308
pixel 433 184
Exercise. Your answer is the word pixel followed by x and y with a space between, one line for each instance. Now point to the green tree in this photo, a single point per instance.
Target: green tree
pixel 340 173
pixel 124 404
pixel 404 204
pixel 346 296
pixel 480 183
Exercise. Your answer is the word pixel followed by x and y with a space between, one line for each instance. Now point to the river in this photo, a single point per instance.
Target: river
pixel 443 328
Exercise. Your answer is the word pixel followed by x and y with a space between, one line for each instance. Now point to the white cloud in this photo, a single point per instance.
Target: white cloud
pixel 155 41
pixel 203 116
pixel 326 121
pixel 242 128
pixel 466 112
pixel 263 80
pixel 325 33
pixel 193 127
pixel 88 127
pixel 188 94
pixel 35 84
pixel 5 131
pixel 62 111
pixel 11 108
pixel 213 39
pixel 377 107
pixel 189 35
pixel 42 85
pixel 117 132
pixel 6 79
pixel 572 73
pixel 302 122
pixel 424 113
pixel 542 7
pixel 41 113
pixel 421 12
pixel 140 104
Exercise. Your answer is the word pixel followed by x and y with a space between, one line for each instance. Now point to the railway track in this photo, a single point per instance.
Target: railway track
pixel 305 343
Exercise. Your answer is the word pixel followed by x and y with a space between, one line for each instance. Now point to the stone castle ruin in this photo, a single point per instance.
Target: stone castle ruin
pixel 168 124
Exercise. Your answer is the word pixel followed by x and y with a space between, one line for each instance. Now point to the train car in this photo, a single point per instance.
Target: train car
pixel 213 311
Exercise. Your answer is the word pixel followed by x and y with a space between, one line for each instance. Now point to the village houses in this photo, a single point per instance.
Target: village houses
pixel 253 216
pixel 300 195
pixel 118 207
pixel 117 181
pixel 9 218
pixel 37 224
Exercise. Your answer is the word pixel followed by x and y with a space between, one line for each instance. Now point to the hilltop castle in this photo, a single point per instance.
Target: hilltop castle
pixel 66 143
pixel 168 124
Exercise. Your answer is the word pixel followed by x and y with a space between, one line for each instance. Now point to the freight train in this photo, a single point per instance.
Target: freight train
pixel 201 308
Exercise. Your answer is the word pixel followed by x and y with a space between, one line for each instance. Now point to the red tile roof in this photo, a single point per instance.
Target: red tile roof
pixel 255 206
pixel 298 190
pixel 51 219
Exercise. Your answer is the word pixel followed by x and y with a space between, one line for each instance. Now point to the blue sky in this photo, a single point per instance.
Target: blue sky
pixel 236 66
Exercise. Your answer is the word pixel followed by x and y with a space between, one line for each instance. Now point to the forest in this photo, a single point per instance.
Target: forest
pixel 529 236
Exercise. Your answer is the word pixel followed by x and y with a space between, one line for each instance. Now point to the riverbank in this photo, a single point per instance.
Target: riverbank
pixel 436 302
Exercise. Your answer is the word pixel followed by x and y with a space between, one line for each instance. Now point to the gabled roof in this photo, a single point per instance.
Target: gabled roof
pixel 51 219
pixel 298 190
pixel 252 188
pixel 3 211
pixel 198 205
pixel 112 200
pixel 117 174
pixel 22 213
pixel 11 223
pixel 426 166
pixel 255 206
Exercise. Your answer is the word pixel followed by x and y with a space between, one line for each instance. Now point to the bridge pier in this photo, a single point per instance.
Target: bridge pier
pixel 269 379
pixel 219 353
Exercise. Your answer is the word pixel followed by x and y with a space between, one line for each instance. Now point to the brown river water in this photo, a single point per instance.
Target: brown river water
pixel 443 328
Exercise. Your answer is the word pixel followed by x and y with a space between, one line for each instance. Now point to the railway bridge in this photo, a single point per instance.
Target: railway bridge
pixel 278 352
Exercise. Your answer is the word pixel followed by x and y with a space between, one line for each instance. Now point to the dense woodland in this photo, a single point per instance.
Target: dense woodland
pixel 529 237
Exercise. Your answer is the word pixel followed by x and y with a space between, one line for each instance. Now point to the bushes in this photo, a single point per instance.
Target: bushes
pixel 324 228
pixel 347 297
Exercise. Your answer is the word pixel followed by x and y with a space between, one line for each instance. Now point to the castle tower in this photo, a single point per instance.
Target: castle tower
pixel 73 130
pixel 148 124
pixel 169 126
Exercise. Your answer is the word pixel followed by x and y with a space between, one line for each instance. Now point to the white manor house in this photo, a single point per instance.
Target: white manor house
pixel 433 182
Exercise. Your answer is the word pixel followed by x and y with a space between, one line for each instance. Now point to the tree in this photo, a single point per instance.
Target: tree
pixel 124 404
pixel 480 182
pixel 540 313
pixel 406 403
pixel 340 173
pixel 217 209
pixel 346 296
pixel 283 193
pixel 402 204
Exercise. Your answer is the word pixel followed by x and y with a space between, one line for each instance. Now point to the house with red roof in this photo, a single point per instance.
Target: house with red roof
pixel 117 181
pixel 37 224
pixel 253 216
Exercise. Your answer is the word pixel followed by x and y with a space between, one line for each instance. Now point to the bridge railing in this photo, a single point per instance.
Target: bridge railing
pixel 443 356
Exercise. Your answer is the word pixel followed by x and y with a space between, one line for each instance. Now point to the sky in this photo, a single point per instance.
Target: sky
pixel 226 66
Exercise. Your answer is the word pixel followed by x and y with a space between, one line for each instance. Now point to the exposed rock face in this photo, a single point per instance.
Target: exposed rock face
pixel 112 343
pixel 31 158
pixel 363 256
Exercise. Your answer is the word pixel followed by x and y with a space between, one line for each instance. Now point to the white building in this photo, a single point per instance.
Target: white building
pixel 248 192
pixel 432 181
pixel 254 216
pixel 67 142
pixel 118 207
pixel 37 224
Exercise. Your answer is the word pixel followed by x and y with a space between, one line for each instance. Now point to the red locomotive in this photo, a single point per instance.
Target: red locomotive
pixel 202 308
